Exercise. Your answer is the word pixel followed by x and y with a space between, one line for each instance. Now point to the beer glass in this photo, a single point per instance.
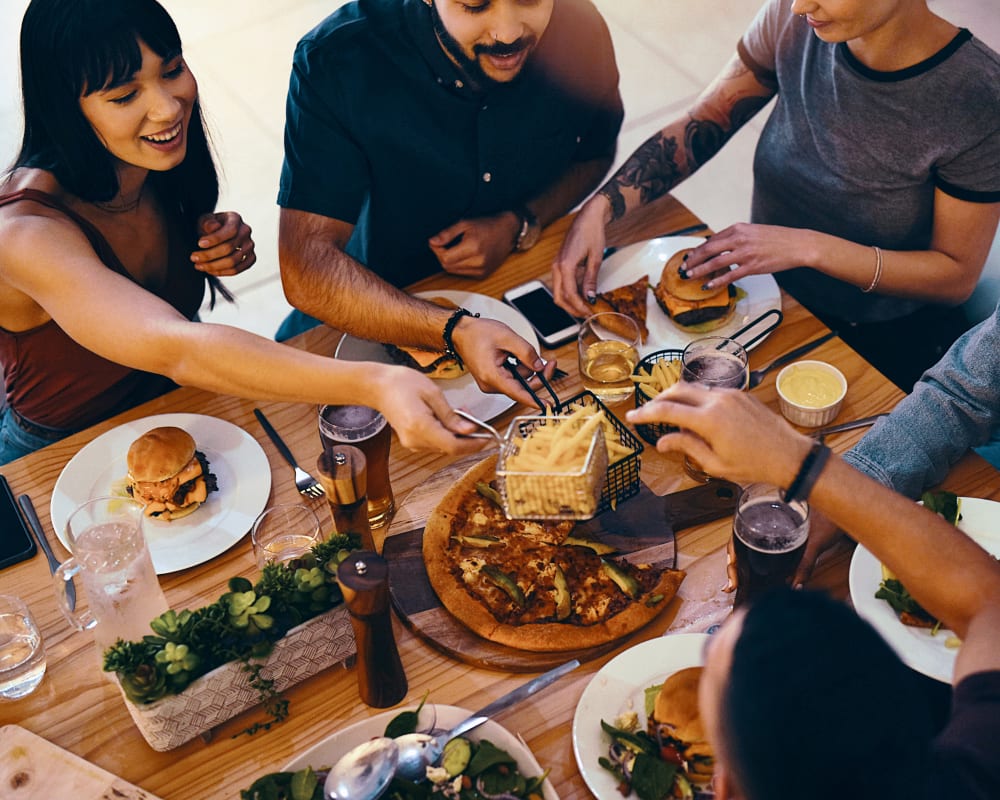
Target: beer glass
pixel 714 362
pixel 284 532
pixel 608 345
pixel 366 429
pixel 111 557
pixel 769 538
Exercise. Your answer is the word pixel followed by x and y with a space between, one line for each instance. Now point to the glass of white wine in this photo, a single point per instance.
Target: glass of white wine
pixel 609 350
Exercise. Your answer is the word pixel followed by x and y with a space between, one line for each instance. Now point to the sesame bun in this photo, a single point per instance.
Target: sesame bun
pixel 160 454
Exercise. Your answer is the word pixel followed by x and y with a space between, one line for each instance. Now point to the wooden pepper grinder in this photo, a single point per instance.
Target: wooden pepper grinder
pixel 364 580
pixel 343 471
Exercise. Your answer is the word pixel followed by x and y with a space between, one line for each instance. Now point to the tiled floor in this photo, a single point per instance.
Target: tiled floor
pixel 240 50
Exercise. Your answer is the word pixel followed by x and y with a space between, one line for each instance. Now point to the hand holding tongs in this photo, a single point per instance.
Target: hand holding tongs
pixel 489 433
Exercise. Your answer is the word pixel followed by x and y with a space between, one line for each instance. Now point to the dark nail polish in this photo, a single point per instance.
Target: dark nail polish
pixel 683 273
pixel 685 257
pixel 592 298
pixel 706 288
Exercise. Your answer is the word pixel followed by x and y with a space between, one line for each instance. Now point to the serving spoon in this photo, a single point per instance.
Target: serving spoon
pixel 364 772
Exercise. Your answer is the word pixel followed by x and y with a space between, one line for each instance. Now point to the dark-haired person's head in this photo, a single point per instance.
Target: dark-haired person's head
pixel 72 49
pixel 802 698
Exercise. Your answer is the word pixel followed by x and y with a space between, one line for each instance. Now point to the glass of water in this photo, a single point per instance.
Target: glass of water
pixel 22 654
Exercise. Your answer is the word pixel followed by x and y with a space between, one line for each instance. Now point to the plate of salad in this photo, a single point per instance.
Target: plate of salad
pixel 616 696
pixel 882 600
pixel 499 764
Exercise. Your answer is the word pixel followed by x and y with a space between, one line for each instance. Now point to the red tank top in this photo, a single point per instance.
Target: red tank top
pixel 52 380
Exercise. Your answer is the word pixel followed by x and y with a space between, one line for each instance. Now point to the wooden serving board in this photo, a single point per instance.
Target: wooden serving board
pixel 32 768
pixel 644 523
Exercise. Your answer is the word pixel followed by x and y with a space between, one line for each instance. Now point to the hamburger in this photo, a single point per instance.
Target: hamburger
pixel 433 363
pixel 168 474
pixel 676 722
pixel 689 305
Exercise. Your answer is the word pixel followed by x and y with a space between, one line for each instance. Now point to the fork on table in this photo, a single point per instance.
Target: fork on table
pixel 307 485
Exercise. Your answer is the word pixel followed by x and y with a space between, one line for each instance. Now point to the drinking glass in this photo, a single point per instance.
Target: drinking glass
pixel 608 346
pixel 366 429
pixel 769 538
pixel 282 533
pixel 22 654
pixel 714 362
pixel 110 555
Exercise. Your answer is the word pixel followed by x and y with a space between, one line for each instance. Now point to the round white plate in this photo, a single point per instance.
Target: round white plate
pixel 460 392
pixel 619 687
pixel 627 265
pixel 223 519
pixel 918 649
pixel 328 752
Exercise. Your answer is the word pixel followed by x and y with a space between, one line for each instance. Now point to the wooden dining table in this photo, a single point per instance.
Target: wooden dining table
pixel 78 708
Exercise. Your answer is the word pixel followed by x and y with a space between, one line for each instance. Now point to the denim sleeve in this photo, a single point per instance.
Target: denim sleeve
pixel 954 406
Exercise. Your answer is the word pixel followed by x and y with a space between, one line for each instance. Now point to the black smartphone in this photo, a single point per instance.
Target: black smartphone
pixel 16 542
pixel 553 324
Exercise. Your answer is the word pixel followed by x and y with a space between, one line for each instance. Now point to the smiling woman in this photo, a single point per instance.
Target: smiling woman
pixel 108 238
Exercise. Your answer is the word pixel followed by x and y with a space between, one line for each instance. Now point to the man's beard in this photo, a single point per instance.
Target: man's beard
pixel 471 66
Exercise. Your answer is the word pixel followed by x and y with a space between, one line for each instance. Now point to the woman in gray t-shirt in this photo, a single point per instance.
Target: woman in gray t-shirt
pixel 876 178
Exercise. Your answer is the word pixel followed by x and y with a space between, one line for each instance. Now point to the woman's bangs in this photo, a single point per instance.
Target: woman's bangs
pixel 116 57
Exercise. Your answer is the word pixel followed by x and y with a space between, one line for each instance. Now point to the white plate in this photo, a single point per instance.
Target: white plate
pixel 460 392
pixel 224 518
pixel 619 687
pixel 918 649
pixel 627 265
pixel 328 752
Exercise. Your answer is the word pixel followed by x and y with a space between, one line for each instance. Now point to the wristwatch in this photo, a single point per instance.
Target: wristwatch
pixel 530 232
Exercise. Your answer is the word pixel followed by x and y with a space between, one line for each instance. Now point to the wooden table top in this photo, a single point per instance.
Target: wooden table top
pixel 78 708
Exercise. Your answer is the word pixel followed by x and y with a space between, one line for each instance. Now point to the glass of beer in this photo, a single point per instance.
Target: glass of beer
pixel 284 533
pixel 713 361
pixel 769 537
pixel 609 350
pixel 366 429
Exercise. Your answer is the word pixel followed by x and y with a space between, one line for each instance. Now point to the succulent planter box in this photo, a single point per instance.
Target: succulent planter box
pixel 224 692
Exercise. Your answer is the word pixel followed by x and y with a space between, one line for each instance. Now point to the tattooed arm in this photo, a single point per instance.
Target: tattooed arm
pixel 663 161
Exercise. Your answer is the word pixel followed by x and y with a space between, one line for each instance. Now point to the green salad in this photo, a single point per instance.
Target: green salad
pixel 469 770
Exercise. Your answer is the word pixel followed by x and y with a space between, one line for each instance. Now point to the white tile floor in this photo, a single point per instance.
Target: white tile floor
pixel 240 50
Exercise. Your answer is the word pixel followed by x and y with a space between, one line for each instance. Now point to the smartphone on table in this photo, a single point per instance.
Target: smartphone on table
pixel 16 542
pixel 534 300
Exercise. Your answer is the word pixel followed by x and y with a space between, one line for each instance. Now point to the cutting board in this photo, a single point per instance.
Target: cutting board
pixel 642 528
pixel 31 767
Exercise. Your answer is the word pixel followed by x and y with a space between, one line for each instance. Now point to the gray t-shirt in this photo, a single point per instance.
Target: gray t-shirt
pixel 858 153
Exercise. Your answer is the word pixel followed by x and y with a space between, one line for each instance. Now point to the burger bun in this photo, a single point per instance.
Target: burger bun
pixel 160 454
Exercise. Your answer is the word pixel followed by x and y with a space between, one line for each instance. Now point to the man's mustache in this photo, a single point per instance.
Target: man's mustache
pixel 503 49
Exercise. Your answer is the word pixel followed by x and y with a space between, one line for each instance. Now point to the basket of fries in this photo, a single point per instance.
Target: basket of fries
pixel 653 374
pixel 571 463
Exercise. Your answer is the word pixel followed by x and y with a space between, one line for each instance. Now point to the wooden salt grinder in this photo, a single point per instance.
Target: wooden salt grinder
pixel 343 471
pixel 364 580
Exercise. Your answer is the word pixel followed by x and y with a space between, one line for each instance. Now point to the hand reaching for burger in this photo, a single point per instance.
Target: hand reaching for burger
pixel 746 249
pixel 418 411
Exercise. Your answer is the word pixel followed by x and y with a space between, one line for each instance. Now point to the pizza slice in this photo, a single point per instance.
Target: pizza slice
pixel 629 300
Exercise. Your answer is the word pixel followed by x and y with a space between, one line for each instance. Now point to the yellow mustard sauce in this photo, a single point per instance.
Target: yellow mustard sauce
pixel 810 386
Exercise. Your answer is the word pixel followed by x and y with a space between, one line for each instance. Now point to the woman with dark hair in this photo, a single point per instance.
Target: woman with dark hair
pixel 108 238
pixel 800 697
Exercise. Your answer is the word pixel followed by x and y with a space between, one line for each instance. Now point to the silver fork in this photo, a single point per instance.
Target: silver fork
pixel 307 485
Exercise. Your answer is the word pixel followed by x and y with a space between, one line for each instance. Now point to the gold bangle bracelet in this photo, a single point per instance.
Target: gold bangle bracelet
pixel 878 270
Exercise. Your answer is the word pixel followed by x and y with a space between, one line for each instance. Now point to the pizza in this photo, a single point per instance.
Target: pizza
pixel 530 584
pixel 629 300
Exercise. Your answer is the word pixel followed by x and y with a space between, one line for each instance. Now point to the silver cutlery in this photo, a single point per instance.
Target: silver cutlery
pixel 757 375
pixel 307 485
pixel 36 528
pixel 847 426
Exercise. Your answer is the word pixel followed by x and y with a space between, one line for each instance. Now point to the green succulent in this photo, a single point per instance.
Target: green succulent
pixel 170 625
pixel 145 684
pixel 246 609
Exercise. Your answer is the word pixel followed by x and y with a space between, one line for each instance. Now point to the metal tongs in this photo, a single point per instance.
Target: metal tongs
pixel 489 431
pixel 512 366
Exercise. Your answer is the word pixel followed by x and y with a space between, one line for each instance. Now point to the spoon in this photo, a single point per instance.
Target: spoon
pixel 757 375
pixel 417 751
pixel 364 772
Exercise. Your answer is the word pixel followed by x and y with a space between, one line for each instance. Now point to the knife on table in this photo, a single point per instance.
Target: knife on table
pixel 36 528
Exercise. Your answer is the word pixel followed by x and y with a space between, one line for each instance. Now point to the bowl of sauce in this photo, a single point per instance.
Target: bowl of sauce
pixel 810 393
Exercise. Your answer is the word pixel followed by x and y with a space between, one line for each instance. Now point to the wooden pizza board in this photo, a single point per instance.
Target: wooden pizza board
pixel 32 768
pixel 643 523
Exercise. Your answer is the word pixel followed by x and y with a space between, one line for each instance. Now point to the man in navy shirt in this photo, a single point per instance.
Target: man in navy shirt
pixel 435 134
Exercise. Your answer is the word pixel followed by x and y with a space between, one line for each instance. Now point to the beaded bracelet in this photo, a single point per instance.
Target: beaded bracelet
pixel 449 329
pixel 878 270
pixel 812 466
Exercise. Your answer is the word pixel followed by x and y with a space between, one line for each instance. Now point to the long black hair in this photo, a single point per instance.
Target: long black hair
pixel 72 48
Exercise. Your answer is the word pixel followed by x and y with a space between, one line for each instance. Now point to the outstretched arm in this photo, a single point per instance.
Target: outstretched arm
pixel 731 433
pixel 663 161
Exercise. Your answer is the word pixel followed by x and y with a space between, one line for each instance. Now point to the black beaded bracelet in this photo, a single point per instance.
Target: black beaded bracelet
pixel 449 329
pixel 812 466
